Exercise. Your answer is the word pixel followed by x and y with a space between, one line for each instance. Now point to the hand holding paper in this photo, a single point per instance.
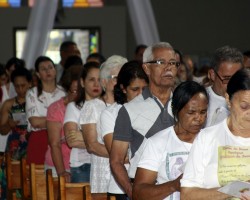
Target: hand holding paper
pixel 21 117
pixel 236 188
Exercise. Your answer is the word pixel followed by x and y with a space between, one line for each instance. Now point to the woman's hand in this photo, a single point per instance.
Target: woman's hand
pixel 244 197
pixel 12 123
pixel 67 176
pixel 73 136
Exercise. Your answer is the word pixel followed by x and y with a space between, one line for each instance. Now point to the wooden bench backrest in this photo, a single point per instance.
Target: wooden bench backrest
pixel 76 191
pixel 13 175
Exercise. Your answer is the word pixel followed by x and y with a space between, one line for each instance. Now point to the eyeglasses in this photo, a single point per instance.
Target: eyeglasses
pixel 223 80
pixel 165 63
pixel 113 77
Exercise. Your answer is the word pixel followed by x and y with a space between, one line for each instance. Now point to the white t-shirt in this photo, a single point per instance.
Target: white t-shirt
pixel 78 157
pixel 100 170
pixel 37 106
pixel 108 118
pixel 203 168
pixel 6 95
pixel 165 154
pixel 217 108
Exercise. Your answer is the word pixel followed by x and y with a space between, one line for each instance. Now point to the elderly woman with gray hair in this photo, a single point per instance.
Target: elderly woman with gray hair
pixel 90 124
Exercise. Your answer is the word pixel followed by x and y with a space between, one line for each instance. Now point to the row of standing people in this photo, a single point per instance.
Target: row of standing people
pixel 155 168
pixel 138 120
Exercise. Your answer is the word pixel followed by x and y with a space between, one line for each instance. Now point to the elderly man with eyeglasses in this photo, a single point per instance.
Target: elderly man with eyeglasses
pixel 225 62
pixel 145 115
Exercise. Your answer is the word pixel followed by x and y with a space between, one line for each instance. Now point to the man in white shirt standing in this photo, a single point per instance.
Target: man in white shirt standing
pixel 225 62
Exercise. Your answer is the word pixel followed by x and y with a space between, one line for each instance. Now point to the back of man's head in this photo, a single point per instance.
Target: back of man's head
pixel 64 46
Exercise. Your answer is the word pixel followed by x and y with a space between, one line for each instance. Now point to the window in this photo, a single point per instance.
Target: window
pixel 87 40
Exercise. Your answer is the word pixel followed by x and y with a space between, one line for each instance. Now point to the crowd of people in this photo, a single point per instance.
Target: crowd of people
pixel 144 128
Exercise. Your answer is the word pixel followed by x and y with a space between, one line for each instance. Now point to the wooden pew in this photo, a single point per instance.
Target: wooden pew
pixel 76 191
pixel 13 176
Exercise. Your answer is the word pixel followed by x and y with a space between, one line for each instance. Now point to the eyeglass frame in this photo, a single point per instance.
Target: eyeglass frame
pixel 113 77
pixel 162 62
pixel 225 80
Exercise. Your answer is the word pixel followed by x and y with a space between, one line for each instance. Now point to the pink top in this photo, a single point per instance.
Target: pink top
pixel 56 112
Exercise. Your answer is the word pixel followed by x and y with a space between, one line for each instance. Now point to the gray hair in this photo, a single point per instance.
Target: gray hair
pixel 111 63
pixel 226 54
pixel 148 53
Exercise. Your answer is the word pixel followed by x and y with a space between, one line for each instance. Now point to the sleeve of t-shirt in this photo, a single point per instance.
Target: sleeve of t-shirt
pixel 71 114
pixel 55 112
pixel 123 128
pixel 88 114
pixel 31 104
pixel 194 168
pixel 151 156
pixel 107 122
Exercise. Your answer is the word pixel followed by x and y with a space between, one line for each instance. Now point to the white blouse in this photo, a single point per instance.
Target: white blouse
pixel 37 106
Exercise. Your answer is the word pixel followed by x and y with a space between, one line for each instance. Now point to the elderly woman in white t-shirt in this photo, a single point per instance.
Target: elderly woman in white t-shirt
pixel 90 124
pixel 164 155
pixel 130 82
pixel 221 153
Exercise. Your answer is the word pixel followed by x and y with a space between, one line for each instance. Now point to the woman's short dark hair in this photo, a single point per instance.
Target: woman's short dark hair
pixel 16 62
pixel 183 93
pixel 21 72
pixel 2 70
pixel 81 91
pixel 71 74
pixel 239 81
pixel 70 61
pixel 39 60
pixel 98 56
pixel 129 72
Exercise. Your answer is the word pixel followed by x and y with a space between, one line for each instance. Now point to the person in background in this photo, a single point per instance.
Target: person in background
pixel 88 88
pixel 9 89
pixel 3 81
pixel 225 62
pixel 159 169
pixel 139 50
pixel 38 99
pixel 145 115
pixel 192 68
pixel 58 152
pixel 71 60
pixel 1 96
pixel 246 58
pixel 67 48
pixel 220 153
pixel 13 116
pixel 187 59
pixel 96 57
pixel 183 73
pixel 34 78
pixel 131 81
pixel 3 76
pixel 90 125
